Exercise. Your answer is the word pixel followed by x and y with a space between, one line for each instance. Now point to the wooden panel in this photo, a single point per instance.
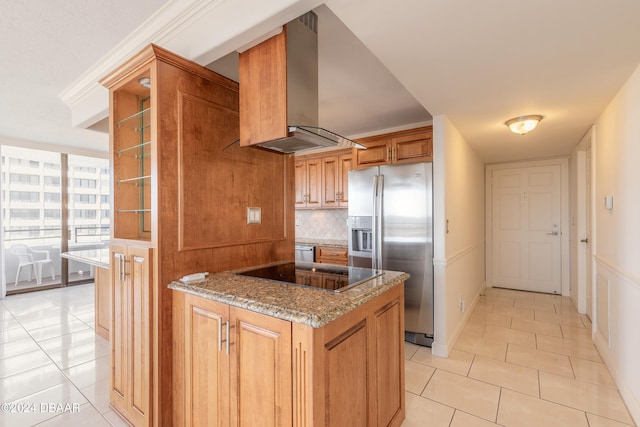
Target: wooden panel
pixel 300 174
pixel 261 385
pixel 263 98
pixel 102 292
pixel 314 182
pixel 346 378
pixel 346 164
pixel 139 341
pixel 331 255
pixel 236 179
pixel 415 147
pixel 377 153
pixel 206 363
pixel 388 370
pixel 330 184
pixel 119 325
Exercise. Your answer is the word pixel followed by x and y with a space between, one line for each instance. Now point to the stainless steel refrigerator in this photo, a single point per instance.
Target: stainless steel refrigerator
pixel 391 228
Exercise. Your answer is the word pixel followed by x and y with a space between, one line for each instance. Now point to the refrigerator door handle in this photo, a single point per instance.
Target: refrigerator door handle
pixel 374 221
pixel 377 239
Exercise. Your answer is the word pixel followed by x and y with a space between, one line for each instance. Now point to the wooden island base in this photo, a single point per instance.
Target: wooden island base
pixel 245 368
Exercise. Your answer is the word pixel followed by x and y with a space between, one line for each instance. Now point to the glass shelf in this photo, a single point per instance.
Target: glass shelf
pixel 138 121
pixel 135 180
pixel 134 147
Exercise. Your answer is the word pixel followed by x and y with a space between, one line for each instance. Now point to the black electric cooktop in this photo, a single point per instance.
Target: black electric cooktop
pixel 334 278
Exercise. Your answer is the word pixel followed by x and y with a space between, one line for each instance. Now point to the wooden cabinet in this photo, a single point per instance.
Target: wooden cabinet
pixel 130 382
pixel 102 295
pixel 332 255
pixel 308 178
pixel 237 366
pixel 335 180
pixel 246 368
pixel 408 146
pixel 322 181
pixel 182 187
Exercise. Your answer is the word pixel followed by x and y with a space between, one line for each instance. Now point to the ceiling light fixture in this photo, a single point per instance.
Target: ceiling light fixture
pixel 145 82
pixel 523 124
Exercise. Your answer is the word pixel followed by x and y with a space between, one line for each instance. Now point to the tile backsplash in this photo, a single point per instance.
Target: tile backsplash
pixel 323 224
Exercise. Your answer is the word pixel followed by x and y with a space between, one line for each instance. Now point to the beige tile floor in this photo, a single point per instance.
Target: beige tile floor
pixel 523 359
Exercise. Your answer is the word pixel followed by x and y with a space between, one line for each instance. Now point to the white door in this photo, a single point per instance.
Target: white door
pixel 526 234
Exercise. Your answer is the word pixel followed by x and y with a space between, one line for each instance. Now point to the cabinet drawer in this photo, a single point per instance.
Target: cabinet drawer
pixel 331 255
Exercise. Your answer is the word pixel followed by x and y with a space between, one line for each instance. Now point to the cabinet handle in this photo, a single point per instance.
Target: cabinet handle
pixel 122 273
pixel 228 338
pixel 389 155
pixel 220 335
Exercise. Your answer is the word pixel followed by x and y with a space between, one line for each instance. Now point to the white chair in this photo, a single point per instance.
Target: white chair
pixel 25 259
pixel 42 262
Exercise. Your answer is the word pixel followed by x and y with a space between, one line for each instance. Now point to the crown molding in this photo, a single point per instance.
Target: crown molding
pixel 199 30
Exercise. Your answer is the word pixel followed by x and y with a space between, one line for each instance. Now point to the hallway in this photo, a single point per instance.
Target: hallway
pixel 523 359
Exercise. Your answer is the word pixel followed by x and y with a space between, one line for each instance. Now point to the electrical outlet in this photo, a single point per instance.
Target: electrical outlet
pixel 254 215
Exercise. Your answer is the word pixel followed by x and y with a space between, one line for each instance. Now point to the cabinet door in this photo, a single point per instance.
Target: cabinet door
pixel 345 165
pixel 330 183
pixel 300 174
pixel 261 380
pixel 415 147
pixel 206 362
pixel 377 153
pixel 119 324
pixel 131 333
pixel 102 290
pixel 139 340
pixel 314 183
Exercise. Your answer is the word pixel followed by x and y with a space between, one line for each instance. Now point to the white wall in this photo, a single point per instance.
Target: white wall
pixel 617 241
pixel 459 239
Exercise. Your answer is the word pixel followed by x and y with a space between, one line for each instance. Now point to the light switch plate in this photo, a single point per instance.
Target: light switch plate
pixel 254 215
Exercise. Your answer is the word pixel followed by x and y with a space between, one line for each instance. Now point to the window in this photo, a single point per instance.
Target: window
pixel 24 162
pixel 85 213
pixel 24 213
pixel 52 197
pixel 104 198
pixel 52 214
pixel 52 166
pixel 24 196
pixel 84 169
pixel 20 178
pixel 84 198
pixel 84 183
pixel 52 180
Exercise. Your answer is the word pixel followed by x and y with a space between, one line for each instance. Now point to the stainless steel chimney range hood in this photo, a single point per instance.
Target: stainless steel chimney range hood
pixel 279 92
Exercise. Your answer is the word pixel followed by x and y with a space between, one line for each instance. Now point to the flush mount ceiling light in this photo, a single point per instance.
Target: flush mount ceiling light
pixel 523 124
pixel 145 82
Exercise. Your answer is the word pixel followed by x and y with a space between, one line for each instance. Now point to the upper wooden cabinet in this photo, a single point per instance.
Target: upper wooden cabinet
pixel 308 177
pixel 322 180
pixel 335 180
pixel 410 146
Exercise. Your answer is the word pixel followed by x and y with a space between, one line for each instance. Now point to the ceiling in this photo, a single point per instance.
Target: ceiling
pixel 384 65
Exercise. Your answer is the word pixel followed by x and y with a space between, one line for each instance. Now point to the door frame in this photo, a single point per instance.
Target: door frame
pixel 584 269
pixel 565 228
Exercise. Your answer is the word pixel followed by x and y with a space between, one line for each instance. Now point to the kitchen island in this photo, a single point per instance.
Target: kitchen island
pixel 285 354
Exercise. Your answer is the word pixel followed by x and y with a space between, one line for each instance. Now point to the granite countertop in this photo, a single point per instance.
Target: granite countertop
pixel 324 242
pixel 301 304
pixel 95 257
